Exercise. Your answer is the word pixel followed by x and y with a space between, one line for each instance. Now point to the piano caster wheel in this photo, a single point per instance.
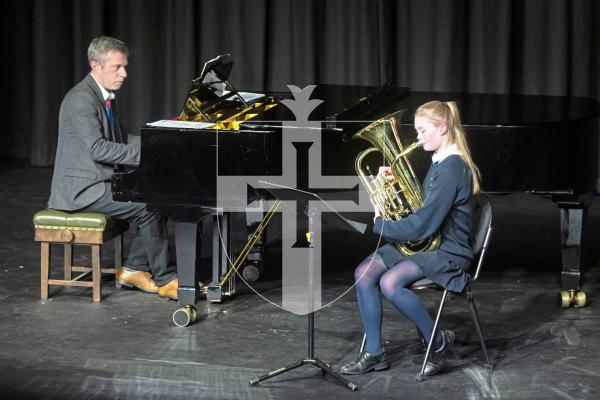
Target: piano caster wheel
pixel 564 299
pixel 185 315
pixel 568 298
pixel 580 299
pixel 252 271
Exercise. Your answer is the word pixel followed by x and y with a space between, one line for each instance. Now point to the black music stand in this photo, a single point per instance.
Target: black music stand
pixel 289 193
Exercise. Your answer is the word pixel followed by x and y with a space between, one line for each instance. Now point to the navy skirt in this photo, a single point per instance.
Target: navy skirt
pixel 445 269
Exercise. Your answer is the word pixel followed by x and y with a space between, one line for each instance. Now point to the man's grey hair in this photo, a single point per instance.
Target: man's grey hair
pixel 100 46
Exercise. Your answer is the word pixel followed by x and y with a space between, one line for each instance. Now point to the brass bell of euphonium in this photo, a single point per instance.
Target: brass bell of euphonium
pixel 401 195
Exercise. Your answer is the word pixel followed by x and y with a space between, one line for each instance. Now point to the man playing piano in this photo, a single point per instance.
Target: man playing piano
pixel 90 146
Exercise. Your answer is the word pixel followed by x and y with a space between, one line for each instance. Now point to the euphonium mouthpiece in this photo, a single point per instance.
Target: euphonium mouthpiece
pixel 410 148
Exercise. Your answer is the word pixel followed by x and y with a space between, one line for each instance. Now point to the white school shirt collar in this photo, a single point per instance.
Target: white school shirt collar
pixel 105 93
pixel 448 151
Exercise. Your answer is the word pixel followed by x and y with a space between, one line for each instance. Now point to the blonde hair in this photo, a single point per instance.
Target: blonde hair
pixel 447 113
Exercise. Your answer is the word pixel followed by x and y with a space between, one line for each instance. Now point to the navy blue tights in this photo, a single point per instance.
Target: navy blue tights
pixel 371 277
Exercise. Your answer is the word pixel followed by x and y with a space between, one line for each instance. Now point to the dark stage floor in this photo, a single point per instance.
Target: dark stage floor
pixel 127 347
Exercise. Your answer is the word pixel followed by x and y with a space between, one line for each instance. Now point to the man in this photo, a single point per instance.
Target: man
pixel 90 145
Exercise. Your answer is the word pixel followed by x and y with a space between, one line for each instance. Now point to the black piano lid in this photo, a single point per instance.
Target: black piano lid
pixel 368 103
pixel 337 101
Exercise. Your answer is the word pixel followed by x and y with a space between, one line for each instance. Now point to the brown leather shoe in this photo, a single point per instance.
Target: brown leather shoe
pixel 138 279
pixel 169 291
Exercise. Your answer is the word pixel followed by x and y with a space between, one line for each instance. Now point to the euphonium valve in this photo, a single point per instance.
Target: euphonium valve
pixel 401 195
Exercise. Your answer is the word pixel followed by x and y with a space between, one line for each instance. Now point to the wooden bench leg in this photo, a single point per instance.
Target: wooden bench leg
pixel 68 267
pixel 96 273
pixel 118 257
pixel 45 266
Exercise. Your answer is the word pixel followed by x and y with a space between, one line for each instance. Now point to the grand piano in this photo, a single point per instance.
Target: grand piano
pixel 545 145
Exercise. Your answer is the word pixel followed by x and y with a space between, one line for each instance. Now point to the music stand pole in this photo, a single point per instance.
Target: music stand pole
pixel 310 359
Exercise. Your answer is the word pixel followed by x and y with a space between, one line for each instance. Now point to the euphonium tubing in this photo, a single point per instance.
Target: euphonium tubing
pixel 401 196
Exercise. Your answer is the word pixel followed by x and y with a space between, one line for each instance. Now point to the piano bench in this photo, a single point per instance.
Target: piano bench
pixel 86 229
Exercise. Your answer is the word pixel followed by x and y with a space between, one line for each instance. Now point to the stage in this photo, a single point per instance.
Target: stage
pixel 127 347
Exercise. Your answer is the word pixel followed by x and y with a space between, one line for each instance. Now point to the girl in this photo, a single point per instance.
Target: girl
pixel 449 186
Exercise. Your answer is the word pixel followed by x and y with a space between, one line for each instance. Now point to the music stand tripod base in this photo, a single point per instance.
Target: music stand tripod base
pixel 325 369
pixel 310 359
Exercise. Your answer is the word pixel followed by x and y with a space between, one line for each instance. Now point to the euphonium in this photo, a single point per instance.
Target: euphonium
pixel 398 196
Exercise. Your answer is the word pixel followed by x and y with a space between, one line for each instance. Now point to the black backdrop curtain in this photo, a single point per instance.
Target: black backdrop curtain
pixel 546 47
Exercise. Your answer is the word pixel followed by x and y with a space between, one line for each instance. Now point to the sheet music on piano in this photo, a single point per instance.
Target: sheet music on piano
pixel 172 123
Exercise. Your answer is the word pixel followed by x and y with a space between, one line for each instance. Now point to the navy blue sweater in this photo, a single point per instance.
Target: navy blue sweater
pixel 448 208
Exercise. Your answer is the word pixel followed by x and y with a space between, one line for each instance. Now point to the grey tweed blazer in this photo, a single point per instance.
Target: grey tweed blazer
pixel 87 151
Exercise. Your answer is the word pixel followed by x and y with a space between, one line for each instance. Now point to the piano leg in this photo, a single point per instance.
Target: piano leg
pixel 220 236
pixel 226 260
pixel 186 247
pixel 572 216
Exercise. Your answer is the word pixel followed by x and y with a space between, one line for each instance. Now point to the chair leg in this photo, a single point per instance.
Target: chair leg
pixel 96 273
pixel 433 331
pixel 68 264
pixel 471 301
pixel 118 257
pixel 363 343
pixel 45 266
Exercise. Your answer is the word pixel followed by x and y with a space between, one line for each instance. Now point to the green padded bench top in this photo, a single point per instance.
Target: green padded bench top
pixel 54 219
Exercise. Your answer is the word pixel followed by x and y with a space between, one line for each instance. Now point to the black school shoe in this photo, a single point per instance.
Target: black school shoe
pixel 437 358
pixel 365 362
